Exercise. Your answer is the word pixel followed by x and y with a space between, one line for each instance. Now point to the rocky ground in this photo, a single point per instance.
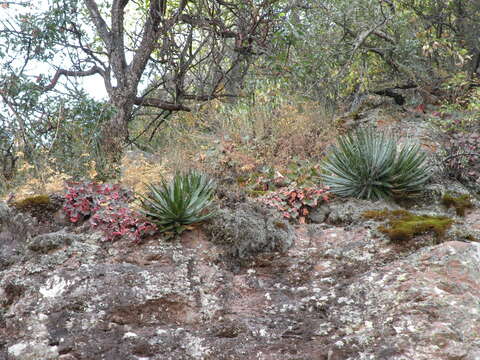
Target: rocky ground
pixel 246 286
pixel 335 290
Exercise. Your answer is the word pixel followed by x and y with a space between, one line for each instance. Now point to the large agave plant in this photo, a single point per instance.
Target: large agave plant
pixel 367 164
pixel 183 201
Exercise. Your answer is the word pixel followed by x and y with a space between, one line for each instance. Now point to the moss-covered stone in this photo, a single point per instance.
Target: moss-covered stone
pixel 406 228
pixel 403 225
pixel 384 214
pixel 32 202
pixel 460 203
pixel 378 215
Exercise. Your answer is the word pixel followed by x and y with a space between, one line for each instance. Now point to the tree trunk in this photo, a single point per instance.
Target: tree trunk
pixel 236 75
pixel 114 134
pixel 467 35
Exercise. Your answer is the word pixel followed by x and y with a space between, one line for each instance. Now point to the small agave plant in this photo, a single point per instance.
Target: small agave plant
pixel 367 164
pixel 174 205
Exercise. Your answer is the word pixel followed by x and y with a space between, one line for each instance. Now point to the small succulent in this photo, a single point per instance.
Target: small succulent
pixel 367 164
pixel 184 201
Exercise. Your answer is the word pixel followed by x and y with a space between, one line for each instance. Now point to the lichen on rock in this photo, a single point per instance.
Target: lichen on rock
pixel 250 229
pixel 43 243
pixel 350 211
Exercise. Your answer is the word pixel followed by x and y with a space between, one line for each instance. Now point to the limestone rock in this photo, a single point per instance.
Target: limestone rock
pixel 320 214
pixel 345 212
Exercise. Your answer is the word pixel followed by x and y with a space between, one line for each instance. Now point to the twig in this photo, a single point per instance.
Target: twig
pixel 459 154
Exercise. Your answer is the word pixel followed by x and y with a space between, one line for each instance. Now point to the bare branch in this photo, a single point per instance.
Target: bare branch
pixel 161 104
pixel 210 24
pixel 208 97
pixel 364 35
pixel 100 24
pixel 384 36
pixel 117 54
pixel 94 70
pixel 147 44
pixel 360 40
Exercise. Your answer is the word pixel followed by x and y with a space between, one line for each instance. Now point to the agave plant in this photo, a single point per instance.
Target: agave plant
pixel 183 201
pixel 367 164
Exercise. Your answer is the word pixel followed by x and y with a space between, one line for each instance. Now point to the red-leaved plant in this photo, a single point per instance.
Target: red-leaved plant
pixel 106 207
pixel 296 203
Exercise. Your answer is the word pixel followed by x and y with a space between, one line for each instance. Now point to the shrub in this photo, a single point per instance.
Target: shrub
pixel 107 208
pixel 121 221
pixel 298 173
pixel 462 154
pixel 296 203
pixel 183 201
pixel 83 199
pixel 366 164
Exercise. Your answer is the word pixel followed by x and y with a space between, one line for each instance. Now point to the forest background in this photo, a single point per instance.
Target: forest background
pixel 244 90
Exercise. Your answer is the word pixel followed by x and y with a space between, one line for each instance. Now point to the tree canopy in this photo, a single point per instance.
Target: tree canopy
pixel 153 58
pixel 161 54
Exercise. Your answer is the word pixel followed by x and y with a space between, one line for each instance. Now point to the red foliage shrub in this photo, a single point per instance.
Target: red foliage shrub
pixel 106 207
pixel 296 203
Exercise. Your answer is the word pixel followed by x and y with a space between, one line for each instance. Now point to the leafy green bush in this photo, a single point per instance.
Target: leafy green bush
pixel 367 164
pixel 176 204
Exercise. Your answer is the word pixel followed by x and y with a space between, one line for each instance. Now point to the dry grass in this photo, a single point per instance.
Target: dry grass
pixel 300 130
pixel 139 169
pixel 230 139
pixel 225 140
pixel 34 179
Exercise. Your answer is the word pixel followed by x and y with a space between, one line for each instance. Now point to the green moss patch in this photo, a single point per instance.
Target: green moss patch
pixel 403 225
pixel 380 215
pixel 32 202
pixel 460 203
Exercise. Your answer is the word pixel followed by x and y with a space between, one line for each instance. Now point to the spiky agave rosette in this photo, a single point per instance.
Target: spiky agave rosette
pixel 183 201
pixel 367 164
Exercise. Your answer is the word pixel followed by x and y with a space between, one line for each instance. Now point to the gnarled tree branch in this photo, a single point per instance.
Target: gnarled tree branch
pixel 78 73
pixel 100 23
pixel 161 104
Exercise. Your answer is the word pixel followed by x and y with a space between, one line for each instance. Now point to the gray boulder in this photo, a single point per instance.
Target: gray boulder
pixel 45 242
pixel 250 229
